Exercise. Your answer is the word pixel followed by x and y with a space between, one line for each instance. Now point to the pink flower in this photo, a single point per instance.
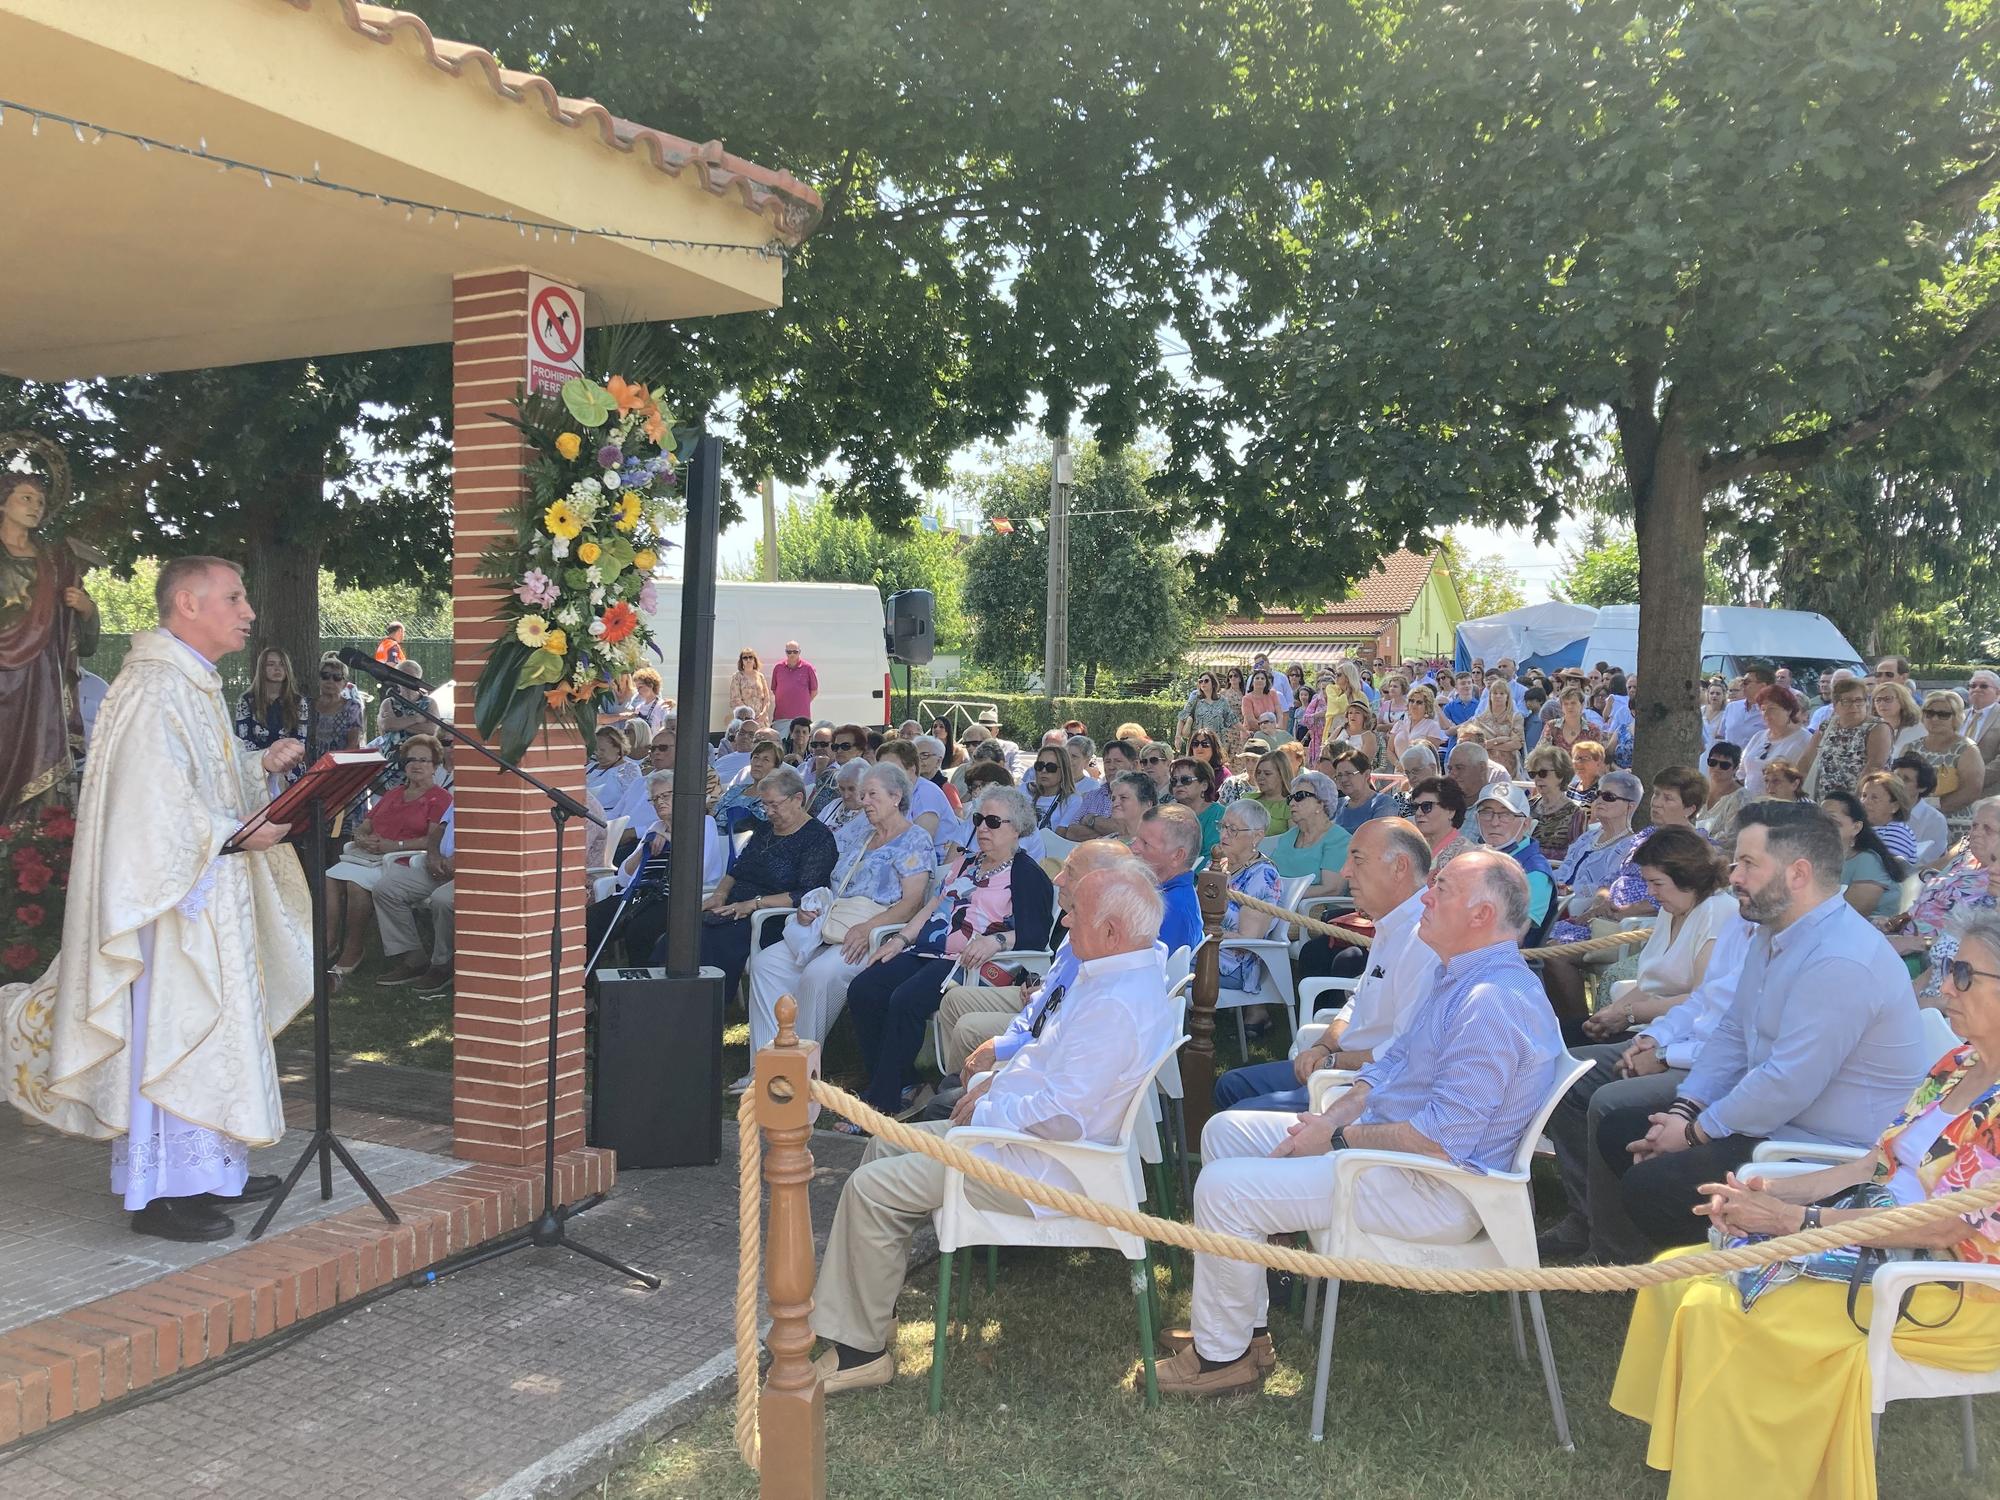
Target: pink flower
pixel 649 597
pixel 30 915
pixel 536 590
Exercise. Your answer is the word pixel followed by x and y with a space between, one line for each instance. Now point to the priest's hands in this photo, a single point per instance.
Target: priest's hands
pixel 282 756
pixel 265 836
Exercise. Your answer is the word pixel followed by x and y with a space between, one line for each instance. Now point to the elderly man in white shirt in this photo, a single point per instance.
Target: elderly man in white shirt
pixel 1387 862
pixel 1094 1046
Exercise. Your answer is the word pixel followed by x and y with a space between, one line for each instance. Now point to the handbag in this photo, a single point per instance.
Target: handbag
pixel 1851 1265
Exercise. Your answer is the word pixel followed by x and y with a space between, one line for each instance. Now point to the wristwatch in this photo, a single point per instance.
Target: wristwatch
pixel 1811 1218
pixel 1339 1141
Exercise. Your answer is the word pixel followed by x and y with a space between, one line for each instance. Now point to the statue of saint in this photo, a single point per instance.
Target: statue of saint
pixel 47 625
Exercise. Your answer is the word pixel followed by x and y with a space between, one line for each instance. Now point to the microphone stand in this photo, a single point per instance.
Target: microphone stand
pixel 549 1227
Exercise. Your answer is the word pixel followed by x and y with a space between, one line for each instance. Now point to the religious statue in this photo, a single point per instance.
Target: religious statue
pixel 48 624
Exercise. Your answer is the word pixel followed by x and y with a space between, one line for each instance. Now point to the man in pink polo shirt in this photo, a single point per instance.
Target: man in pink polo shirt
pixel 794 685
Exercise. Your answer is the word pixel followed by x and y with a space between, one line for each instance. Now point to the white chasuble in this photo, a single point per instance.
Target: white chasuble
pixel 224 942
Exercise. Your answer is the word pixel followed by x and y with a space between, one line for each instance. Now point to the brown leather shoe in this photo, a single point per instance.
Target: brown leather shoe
pixel 833 1380
pixel 409 971
pixel 434 981
pixel 1262 1351
pixel 1183 1376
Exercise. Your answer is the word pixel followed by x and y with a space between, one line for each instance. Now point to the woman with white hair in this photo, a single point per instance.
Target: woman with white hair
pixel 1314 846
pixel 930 810
pixel 644 923
pixel 994 898
pixel 881 876
pixel 930 766
pixel 846 807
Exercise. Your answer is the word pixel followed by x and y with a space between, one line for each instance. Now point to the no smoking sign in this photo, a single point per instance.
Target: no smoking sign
pixel 555 334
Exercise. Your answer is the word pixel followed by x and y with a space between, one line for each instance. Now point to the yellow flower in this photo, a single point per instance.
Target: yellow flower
pixel 556 641
pixel 561 520
pixel 589 553
pixel 569 445
pixel 628 512
pixel 645 560
pixel 531 630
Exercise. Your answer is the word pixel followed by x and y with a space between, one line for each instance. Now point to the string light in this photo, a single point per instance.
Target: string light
pixel 770 250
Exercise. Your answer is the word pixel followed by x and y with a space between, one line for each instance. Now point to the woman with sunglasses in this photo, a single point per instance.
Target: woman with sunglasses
pixel 1557 819
pixel 1583 879
pixel 749 688
pixel 1896 706
pixel 1364 734
pixel 1773 1401
pixel 1724 802
pixel 1206 709
pixel 994 898
pixel 1052 789
pixel 334 714
pixel 1960 768
pixel 1192 784
pixel 1963 886
pixel 1205 746
pixel 1437 806
pixel 1314 845
pixel 1422 725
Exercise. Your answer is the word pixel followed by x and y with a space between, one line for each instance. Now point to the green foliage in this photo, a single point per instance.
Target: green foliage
pixel 125 604
pixel 1608 573
pixel 816 544
pixel 1018 198
pixel 1128 607
pixel 1026 717
pixel 124 596
pixel 1486 585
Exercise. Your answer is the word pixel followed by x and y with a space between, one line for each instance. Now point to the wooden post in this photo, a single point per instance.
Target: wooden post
pixel 791 1412
pixel 1198 1057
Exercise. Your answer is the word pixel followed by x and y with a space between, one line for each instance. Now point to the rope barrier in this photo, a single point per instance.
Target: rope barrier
pixel 1409 1278
pixel 1579 949
pixel 749 1272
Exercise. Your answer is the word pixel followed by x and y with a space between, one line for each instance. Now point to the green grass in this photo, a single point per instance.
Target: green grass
pixel 1427 1402
pixel 373 1023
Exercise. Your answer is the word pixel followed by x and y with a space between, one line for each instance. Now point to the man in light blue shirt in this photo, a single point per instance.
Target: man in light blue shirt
pixel 1821 1042
pixel 1459 1082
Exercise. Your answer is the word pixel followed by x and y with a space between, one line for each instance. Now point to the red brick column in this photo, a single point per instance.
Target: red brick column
pixel 506 848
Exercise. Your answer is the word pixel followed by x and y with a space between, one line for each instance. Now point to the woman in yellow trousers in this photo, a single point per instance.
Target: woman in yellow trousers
pixel 1774 1400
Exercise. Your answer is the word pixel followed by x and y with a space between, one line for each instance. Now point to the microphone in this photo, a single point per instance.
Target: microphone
pixel 394 678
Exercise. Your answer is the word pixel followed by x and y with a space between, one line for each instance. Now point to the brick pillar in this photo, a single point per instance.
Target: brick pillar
pixel 506 847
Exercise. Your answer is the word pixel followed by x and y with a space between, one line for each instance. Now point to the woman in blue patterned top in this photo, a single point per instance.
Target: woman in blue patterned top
pixel 1251 873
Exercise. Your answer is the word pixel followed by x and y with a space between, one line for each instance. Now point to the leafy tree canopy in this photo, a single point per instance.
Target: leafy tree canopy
pixel 818 545
pixel 1486 585
pixel 1608 573
pixel 1128 611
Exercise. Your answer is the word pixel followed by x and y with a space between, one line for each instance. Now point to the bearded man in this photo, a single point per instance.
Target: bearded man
pixel 153 1027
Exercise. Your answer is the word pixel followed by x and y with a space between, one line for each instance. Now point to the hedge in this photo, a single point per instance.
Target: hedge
pixel 1026 717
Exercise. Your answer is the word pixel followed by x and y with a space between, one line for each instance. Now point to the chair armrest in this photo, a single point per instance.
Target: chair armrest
pixel 1807 1151
pixel 1351 1163
pixel 765 914
pixel 1890 1281
pixel 1330 903
pixel 1324 1084
pixel 1090 1163
pixel 1258 945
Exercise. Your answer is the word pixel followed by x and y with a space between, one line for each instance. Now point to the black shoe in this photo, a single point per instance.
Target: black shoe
pixel 1565 1241
pixel 264 1185
pixel 191 1220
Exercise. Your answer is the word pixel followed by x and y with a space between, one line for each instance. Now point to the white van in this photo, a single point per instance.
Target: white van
pixel 839 625
pixel 1732 639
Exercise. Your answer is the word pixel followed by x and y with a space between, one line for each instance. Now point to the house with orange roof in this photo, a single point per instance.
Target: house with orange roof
pixel 1407 607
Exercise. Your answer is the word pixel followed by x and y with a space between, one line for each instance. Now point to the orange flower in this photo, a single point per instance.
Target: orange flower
pixel 558 697
pixel 619 621
pixel 629 397
pixel 656 425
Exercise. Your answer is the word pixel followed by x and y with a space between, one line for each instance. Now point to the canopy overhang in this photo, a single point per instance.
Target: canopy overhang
pixel 123 260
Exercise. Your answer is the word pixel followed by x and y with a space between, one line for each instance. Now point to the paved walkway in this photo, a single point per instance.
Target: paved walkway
pixel 525 1376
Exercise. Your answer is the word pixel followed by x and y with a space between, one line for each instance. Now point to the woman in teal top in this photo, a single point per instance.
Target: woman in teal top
pixel 1314 846
pixel 1879 883
pixel 1192 784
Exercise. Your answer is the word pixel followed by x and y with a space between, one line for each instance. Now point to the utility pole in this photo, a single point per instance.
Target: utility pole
pixel 1055 654
pixel 769 490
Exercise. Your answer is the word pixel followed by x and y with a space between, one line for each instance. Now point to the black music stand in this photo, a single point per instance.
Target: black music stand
pixel 339 779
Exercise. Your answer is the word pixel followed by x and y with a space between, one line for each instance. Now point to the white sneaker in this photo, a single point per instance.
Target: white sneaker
pixel 742 1084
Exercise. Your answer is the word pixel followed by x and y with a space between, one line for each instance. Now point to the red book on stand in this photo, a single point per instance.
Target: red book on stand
pixel 337 778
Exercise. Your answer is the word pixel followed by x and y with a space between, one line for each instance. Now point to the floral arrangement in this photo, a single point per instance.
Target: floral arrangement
pixel 34 872
pixel 602 489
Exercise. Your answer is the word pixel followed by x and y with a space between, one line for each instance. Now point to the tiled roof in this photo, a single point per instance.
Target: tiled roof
pixel 1385 595
pixel 792 207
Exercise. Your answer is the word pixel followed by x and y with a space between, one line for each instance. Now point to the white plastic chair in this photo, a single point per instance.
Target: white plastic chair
pixel 1055 846
pixel 604 878
pixel 1891 1377
pixel 1034 960
pixel 1323 907
pixel 1504 1202
pixel 1108 1173
pixel 1274 954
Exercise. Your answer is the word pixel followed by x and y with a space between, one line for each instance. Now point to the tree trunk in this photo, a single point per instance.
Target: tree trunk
pixel 281 570
pixel 1673 543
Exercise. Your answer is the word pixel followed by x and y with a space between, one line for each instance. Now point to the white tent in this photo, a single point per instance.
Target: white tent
pixel 1545 635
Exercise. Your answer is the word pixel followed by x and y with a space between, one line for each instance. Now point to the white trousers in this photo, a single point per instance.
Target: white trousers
pixel 819 983
pixel 1243 1191
pixel 164 1156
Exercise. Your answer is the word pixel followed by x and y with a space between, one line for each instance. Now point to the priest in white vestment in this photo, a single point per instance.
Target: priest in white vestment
pixel 179 963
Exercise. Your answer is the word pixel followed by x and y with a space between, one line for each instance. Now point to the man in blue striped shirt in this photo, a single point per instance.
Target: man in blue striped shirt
pixel 1459 1083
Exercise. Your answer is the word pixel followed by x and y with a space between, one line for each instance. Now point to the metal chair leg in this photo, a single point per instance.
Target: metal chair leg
pixel 943 1323
pixel 1325 1362
pixel 1142 1293
pixel 1520 1339
pixel 1312 1303
pixel 1178 1115
pixel 1549 1372
pixel 1970 1437
pixel 1242 1037
pixel 992 1267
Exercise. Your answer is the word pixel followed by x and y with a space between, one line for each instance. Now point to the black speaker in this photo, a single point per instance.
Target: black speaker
pixel 908 628
pixel 657 1097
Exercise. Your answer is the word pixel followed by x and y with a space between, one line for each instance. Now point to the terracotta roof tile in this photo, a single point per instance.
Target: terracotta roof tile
pixel 1385 595
pixel 792 208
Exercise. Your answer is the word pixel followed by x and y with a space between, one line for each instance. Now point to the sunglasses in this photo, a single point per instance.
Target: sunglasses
pixel 1424 809
pixel 1047 765
pixel 791 650
pixel 1937 713
pixel 822 744
pixel 1152 760
pixel 1180 781
pixel 843 744
pixel 1962 974
pixel 989 820
pixel 1303 797
pixel 333 677
pixel 1611 797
